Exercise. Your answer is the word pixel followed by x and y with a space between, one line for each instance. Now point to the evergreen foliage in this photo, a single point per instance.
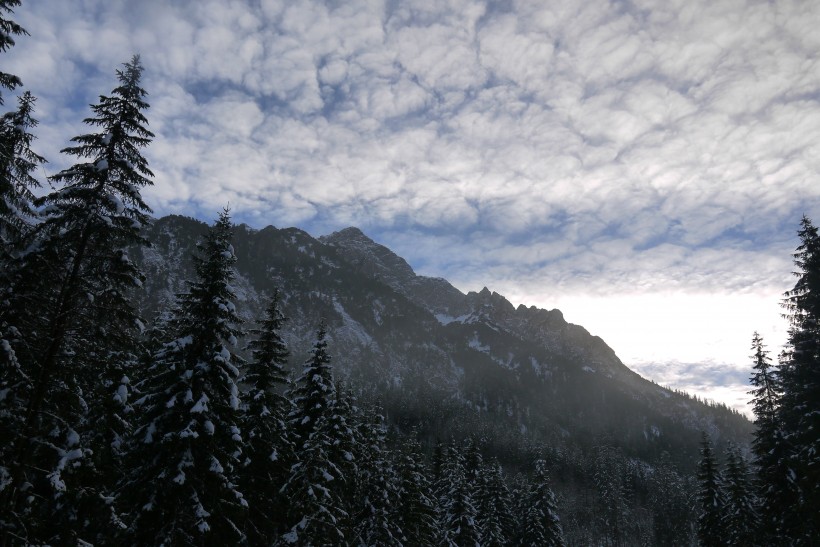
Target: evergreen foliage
pixel 8 30
pixel 795 476
pixel 18 162
pixel 740 515
pixel 541 523
pixel 417 517
pixel 188 446
pixel 75 325
pixel 710 497
pixel 269 450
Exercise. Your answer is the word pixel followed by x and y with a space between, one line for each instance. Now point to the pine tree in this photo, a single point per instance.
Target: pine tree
pixel 609 476
pixel 314 391
pixel 710 497
pixel 417 516
pixel 269 449
pixel 671 501
pixel 71 308
pixel 316 514
pixel 542 525
pixel 767 444
pixel 182 486
pixel 796 475
pixel 495 517
pixel 8 30
pixel 740 516
pixel 377 521
pixel 18 162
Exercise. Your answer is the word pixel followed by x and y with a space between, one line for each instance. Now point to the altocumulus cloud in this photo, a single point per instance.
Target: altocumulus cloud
pixel 630 154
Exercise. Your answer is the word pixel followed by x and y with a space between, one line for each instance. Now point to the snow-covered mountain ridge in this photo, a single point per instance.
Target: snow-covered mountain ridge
pixel 431 352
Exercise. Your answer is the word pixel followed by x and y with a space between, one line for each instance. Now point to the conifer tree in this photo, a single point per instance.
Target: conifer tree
pixel 71 308
pixel 377 521
pixel 316 514
pixel 796 476
pixel 8 30
pixel 269 449
pixel 671 501
pixel 768 444
pixel 18 162
pixel 740 516
pixel 542 525
pixel 417 517
pixel 314 391
pixel 186 452
pixel 494 511
pixel 710 497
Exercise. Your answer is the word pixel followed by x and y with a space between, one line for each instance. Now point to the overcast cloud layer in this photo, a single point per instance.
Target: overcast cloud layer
pixel 641 165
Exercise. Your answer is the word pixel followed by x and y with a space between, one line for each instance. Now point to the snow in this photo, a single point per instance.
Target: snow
pixel 101 165
pixel 216 467
pixel 122 395
pixel 72 438
pixel 106 140
pixel 201 405
pixel 588 369
pixel 476 344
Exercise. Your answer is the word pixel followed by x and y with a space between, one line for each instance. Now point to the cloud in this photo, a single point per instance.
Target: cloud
pixel 580 148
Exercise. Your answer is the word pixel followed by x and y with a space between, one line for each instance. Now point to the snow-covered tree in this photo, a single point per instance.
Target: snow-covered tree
pixel 417 514
pixel 8 30
pixel 495 516
pixel 376 520
pixel 796 475
pixel 740 514
pixel 18 163
pixel 710 497
pixel 269 449
pixel 314 391
pixel 768 444
pixel 316 511
pixel 70 305
pixel 542 526
pixel 186 452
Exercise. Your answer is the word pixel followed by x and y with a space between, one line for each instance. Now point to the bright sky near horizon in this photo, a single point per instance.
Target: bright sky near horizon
pixel 640 165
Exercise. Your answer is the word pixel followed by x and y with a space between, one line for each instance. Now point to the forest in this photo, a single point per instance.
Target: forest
pixel 188 428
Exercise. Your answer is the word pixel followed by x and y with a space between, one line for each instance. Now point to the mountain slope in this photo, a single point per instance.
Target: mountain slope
pixel 450 363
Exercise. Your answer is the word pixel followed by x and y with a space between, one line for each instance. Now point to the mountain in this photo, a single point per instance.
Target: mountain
pixel 448 363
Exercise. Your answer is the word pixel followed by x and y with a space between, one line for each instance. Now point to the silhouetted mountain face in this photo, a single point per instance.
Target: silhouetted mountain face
pixel 440 360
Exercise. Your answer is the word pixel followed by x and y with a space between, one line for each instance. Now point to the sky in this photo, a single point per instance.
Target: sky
pixel 641 165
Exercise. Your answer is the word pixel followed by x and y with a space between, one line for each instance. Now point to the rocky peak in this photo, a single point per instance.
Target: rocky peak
pixel 374 259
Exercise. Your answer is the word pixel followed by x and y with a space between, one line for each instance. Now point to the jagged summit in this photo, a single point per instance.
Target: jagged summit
pixel 374 259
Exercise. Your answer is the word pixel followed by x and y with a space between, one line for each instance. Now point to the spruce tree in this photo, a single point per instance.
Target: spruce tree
pixel 76 326
pixel 710 497
pixel 797 474
pixel 495 516
pixel 186 453
pixel 316 512
pixel 314 391
pixel 269 449
pixel 376 521
pixel 18 163
pixel 417 516
pixel 768 444
pixel 542 525
pixel 740 516
pixel 8 30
